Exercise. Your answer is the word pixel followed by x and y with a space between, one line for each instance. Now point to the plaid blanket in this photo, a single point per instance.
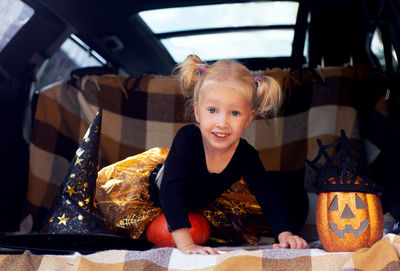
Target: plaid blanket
pixel 146 112
pixel 383 255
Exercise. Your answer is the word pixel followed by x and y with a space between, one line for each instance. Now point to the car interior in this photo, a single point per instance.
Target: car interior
pixel 45 43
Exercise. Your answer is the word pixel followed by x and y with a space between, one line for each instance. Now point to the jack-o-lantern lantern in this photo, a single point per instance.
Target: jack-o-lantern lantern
pixel 347 221
pixel 349 211
pixel 157 232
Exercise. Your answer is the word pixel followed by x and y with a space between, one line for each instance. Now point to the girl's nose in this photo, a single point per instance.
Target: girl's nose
pixel 221 121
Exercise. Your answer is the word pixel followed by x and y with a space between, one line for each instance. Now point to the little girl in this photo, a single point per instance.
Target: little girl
pixel 206 159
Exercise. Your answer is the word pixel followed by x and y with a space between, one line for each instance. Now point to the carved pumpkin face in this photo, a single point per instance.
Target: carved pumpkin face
pixel 347 221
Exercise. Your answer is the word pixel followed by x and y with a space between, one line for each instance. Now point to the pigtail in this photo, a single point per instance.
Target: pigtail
pixel 269 96
pixel 189 72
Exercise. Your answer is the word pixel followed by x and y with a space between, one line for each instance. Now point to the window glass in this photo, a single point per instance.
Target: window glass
pixel 80 53
pixel 378 50
pixel 306 48
pixel 269 32
pixel 377 47
pixel 13 15
pixel 72 54
pixel 222 15
pixel 266 43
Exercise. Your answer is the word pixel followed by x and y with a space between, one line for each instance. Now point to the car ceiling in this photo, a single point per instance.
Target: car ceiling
pixel 94 21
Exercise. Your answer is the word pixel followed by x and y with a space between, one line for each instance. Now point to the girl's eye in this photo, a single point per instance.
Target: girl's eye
pixel 235 113
pixel 211 110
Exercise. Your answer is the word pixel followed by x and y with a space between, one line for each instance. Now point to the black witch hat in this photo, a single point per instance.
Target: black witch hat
pixel 72 211
pixel 343 171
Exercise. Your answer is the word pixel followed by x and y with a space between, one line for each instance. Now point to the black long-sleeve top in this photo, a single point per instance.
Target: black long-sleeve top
pixel 188 186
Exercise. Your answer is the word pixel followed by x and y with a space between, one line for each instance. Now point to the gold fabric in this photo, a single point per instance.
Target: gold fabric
pixel 235 216
pixel 123 199
pixel 122 192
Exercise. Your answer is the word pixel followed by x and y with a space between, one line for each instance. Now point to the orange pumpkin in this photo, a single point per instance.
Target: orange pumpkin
pixel 347 221
pixel 157 232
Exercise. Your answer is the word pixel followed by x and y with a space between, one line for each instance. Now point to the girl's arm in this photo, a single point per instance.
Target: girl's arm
pixel 178 166
pixel 184 242
pixel 271 202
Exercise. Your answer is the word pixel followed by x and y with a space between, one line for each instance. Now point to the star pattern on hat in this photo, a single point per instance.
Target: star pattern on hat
pixel 70 190
pixel 78 161
pixel 73 210
pixel 62 219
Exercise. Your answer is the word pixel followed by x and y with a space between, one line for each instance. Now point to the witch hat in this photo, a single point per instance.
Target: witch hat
pixel 72 211
pixel 344 171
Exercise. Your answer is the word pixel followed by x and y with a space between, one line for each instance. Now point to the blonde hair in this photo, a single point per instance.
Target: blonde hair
pixel 263 93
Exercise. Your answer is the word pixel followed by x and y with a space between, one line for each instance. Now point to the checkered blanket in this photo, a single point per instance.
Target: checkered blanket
pixel 146 112
pixel 383 255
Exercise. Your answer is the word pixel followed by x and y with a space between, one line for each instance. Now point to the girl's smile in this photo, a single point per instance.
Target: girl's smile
pixel 221 135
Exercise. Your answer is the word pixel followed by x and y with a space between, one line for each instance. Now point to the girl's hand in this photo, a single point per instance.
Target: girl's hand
pixel 196 249
pixel 288 240
pixel 184 242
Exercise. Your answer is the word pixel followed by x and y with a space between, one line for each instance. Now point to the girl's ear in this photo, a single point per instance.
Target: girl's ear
pixel 196 111
pixel 251 117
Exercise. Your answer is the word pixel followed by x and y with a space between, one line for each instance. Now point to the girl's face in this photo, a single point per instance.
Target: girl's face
pixel 223 113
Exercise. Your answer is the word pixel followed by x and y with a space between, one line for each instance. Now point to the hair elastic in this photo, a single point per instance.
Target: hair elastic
pixel 202 68
pixel 256 78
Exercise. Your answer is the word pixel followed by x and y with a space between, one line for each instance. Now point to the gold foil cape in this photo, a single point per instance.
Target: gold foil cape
pixel 123 199
pixel 236 216
pixel 122 192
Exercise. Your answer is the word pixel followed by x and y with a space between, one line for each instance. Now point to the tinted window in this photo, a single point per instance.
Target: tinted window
pixel 239 30
pixel 72 54
pixel 13 15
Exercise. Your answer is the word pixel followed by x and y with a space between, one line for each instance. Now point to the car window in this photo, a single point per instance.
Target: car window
pixel 265 43
pixel 13 15
pixel 222 15
pixel 72 54
pixel 240 30
pixel 378 50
